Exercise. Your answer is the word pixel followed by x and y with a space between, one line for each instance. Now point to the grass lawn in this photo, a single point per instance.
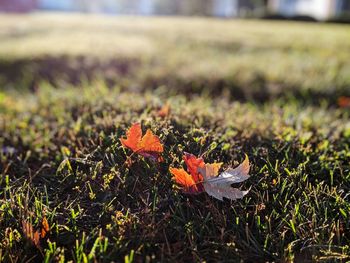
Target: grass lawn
pixel 71 86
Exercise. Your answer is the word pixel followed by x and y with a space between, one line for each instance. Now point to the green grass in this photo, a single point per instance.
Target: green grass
pixel 61 155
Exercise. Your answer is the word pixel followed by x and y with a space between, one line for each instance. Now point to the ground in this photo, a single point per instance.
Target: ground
pixel 71 86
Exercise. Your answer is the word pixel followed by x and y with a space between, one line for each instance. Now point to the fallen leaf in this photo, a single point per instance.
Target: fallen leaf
pixel 201 177
pixel 190 181
pixel 344 102
pixel 29 233
pixel 45 228
pixel 220 186
pixel 164 111
pixel 147 146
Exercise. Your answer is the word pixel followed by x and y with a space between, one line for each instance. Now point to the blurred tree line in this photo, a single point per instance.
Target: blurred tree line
pixel 175 7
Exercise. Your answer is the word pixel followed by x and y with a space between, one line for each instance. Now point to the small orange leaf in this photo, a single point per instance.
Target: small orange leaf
pixel 344 102
pixel 27 229
pixel 36 239
pixel 147 146
pixel 29 233
pixel 164 111
pixel 45 228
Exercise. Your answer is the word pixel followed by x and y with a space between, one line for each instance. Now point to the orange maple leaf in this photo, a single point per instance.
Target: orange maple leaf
pixel 190 181
pixel 147 146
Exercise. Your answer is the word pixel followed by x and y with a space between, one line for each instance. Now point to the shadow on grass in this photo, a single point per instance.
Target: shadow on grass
pixel 136 75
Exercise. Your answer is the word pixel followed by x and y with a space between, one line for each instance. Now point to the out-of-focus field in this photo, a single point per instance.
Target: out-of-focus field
pixel 247 59
pixel 71 85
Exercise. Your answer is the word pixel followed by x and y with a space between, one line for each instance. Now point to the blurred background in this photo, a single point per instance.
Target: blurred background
pixel 313 9
pixel 218 47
